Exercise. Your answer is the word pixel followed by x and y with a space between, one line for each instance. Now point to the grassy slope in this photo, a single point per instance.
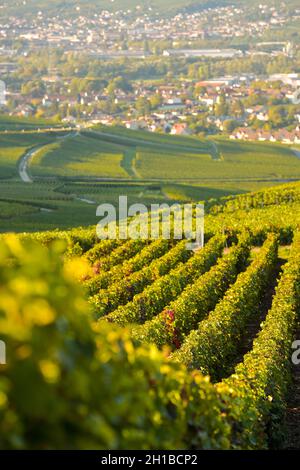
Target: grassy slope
pixel 79 156
pixel 175 158
pixel 243 167
pixel 17 124
pixel 111 153
pixel 13 146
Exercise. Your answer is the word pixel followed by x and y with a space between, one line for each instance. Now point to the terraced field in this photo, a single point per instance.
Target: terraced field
pixel 173 348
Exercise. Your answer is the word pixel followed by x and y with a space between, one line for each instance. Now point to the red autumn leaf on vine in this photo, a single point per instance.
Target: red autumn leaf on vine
pixel 96 268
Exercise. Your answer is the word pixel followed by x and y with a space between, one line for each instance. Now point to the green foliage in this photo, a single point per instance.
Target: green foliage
pixel 102 249
pixel 12 146
pixel 140 262
pixel 256 392
pixel 272 210
pixel 213 345
pixel 12 209
pixel 72 383
pixel 123 252
pixel 77 241
pixel 269 197
pixel 166 288
pixel 183 314
pixel 67 386
pixel 8 123
pixel 124 288
pixel 78 156
pixel 73 173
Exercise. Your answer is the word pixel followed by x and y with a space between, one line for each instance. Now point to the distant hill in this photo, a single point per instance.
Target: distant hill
pixel 69 8
pixel 19 7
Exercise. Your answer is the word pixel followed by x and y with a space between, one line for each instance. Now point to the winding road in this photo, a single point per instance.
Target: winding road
pixel 25 160
pixel 296 152
pixel 23 165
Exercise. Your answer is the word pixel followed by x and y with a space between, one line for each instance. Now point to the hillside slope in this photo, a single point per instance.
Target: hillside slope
pixel 69 8
pixel 228 310
pixel 55 178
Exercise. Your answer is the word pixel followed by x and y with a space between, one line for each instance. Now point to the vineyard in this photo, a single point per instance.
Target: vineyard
pixel 142 344
pixel 53 177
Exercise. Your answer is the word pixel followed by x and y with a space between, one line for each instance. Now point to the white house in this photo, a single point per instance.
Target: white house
pixel 2 93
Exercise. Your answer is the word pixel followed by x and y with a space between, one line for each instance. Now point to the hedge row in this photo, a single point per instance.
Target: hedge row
pixel 122 291
pixel 77 240
pixel 214 345
pixel 120 254
pixel 148 254
pixel 102 248
pixel 267 197
pixel 256 392
pixel 183 314
pixel 282 220
pixel 155 297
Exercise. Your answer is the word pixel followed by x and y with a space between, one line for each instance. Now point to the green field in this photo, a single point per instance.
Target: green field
pixel 79 156
pixel 119 153
pixel 14 123
pixel 73 172
pixel 13 146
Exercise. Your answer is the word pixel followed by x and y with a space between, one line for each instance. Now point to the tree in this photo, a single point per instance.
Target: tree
pixel 255 99
pixel 35 88
pixel 237 109
pixel 146 47
pixel 221 108
pixel 229 125
pixel 277 116
pixel 156 101
pixel 118 83
pixel 143 106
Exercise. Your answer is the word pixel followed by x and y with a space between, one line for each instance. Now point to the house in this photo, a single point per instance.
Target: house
pixel 218 82
pixel 136 125
pixel 244 133
pixel 264 136
pixel 46 102
pixel 262 116
pixel 180 129
pixel 2 93
pixel 208 100
pixel 283 135
pixel 174 101
pixel 24 110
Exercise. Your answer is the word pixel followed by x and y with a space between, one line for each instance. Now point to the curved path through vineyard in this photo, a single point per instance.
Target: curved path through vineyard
pixel 25 160
pixel 23 165
pixel 296 152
